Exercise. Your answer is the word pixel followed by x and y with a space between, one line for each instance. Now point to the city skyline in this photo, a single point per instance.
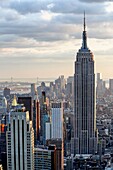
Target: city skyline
pixel 38 37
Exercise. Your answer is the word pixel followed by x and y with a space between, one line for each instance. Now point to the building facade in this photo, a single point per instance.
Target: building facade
pixel 57 120
pixel 44 158
pixel 85 139
pixel 36 118
pixel 20 141
pixel 44 118
pixel 59 153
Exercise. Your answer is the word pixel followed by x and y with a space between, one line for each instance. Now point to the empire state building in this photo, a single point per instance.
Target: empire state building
pixel 85 138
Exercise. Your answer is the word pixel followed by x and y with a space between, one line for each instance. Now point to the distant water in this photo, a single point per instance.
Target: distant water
pixel 30 80
pixel 26 82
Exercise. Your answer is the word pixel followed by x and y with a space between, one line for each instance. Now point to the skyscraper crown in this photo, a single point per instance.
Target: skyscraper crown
pixel 84 38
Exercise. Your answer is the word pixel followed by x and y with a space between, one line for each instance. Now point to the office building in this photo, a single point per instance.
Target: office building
pixel 59 157
pixel 33 90
pixel 68 130
pixel 36 118
pixel 69 86
pixel 20 140
pixel 101 86
pixel 48 130
pixel 44 158
pixel 57 120
pixel 44 118
pixel 85 138
pixel 3 129
pixel 69 163
pixel 61 82
pixel 111 85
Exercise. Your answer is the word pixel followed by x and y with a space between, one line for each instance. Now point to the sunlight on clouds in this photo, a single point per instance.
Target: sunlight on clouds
pixel 109 7
pixel 46 15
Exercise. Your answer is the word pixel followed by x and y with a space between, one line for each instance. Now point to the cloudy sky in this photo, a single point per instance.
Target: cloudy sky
pixel 40 38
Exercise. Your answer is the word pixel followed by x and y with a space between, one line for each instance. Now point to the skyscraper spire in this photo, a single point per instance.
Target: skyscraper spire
pixel 84 44
pixel 84 22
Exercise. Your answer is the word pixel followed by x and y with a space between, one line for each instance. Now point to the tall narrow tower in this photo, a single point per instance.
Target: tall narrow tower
pixel 85 138
pixel 20 140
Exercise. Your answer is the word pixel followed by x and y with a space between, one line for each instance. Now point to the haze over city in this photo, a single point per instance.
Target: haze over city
pixel 40 38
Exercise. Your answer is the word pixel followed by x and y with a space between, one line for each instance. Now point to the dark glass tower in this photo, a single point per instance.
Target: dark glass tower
pixel 85 138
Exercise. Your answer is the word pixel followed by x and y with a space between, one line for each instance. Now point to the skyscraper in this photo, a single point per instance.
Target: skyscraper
pixel 36 118
pixel 44 118
pixel 57 120
pixel 20 140
pixel 33 90
pixel 59 153
pixel 85 139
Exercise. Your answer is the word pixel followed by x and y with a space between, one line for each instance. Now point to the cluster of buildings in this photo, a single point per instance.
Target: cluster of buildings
pixel 55 127
pixel 32 132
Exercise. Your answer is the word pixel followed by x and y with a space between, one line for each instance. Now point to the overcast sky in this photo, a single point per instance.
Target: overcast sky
pixel 40 38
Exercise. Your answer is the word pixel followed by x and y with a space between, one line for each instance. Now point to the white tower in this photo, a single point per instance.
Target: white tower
pixel 20 141
pixel 57 120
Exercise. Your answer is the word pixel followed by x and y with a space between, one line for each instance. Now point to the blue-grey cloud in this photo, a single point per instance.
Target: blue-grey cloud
pixel 56 6
pixel 36 33
pixel 33 6
pixel 96 1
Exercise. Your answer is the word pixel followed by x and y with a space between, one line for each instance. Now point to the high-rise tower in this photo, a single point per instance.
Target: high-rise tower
pixel 57 120
pixel 20 140
pixel 85 138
